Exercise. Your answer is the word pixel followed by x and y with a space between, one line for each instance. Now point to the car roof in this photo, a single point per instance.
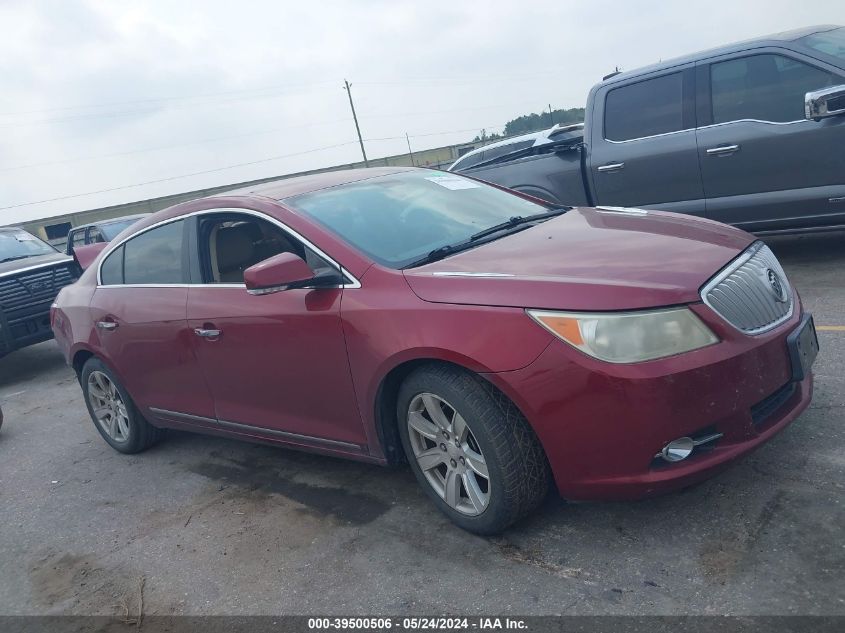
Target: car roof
pixel 288 187
pixel 773 39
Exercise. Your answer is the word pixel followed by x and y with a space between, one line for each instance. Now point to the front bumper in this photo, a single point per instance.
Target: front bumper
pixel 601 425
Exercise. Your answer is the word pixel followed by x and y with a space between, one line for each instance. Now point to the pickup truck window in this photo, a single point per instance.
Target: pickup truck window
pixel 764 87
pixel 646 108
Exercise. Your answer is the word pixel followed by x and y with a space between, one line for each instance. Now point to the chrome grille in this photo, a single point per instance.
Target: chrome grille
pixel 751 293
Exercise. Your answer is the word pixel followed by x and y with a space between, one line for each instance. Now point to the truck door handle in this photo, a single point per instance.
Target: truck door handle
pixel 107 325
pixel 611 167
pixel 722 150
pixel 204 333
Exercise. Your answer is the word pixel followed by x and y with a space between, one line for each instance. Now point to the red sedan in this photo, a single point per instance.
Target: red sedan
pixel 494 342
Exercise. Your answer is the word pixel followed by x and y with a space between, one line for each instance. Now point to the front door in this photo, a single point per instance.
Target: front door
pixel 276 364
pixel 764 166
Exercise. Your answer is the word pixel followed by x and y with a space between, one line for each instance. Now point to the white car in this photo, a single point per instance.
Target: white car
pixel 513 144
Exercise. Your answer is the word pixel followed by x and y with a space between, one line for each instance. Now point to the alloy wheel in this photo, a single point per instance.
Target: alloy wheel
pixel 448 454
pixel 108 407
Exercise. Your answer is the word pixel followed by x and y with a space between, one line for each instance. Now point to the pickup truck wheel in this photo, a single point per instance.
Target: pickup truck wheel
pixel 470 449
pixel 114 413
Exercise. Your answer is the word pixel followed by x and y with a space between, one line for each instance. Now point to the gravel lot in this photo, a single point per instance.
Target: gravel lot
pixel 217 526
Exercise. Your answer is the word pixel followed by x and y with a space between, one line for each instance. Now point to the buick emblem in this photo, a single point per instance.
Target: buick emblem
pixel 776 285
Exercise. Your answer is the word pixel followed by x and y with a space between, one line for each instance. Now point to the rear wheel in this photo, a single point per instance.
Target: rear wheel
pixel 470 448
pixel 113 412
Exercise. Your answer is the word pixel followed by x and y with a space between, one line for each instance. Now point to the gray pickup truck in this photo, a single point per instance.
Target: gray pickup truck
pixel 31 275
pixel 751 134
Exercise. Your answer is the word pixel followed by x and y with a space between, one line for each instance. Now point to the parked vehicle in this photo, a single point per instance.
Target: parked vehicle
pixel 555 135
pixel 31 274
pixel 749 134
pixel 393 313
pixel 99 232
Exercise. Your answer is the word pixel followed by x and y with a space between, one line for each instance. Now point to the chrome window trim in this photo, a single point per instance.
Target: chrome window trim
pixel 17 271
pixel 705 127
pixel 727 271
pixel 353 281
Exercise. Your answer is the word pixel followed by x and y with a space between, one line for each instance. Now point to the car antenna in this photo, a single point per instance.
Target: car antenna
pixel 613 74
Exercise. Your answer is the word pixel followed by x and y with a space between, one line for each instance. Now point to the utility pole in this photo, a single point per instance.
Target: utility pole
pixel 551 114
pixel 348 87
pixel 410 152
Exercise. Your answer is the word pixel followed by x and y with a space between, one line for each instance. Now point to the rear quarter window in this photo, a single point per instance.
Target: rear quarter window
pixel 155 256
pixel 111 271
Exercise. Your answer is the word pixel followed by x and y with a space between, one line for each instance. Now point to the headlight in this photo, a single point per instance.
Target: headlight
pixel 628 337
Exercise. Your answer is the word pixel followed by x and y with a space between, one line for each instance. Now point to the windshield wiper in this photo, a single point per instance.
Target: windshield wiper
pixel 516 223
pixel 517 220
pixel 11 259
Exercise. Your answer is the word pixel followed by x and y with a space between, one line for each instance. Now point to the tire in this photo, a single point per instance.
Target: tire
pixel 130 432
pixel 517 471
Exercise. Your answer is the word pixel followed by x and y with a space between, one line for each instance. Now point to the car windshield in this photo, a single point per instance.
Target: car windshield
pixel 112 229
pixel 829 42
pixel 20 245
pixel 399 218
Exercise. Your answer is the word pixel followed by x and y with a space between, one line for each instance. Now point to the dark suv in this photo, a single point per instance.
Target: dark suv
pixel 31 274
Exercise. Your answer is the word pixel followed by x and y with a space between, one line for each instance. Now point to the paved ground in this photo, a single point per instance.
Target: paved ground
pixel 218 526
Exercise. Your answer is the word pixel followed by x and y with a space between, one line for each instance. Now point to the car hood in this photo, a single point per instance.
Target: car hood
pixel 8 268
pixel 587 259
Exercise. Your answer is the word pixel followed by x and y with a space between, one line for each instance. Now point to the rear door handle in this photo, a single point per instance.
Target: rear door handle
pixel 722 150
pixel 611 167
pixel 204 333
pixel 107 325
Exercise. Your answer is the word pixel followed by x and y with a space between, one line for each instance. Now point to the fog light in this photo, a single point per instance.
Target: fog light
pixel 677 450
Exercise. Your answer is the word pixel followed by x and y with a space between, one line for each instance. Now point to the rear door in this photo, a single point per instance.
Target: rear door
pixel 276 363
pixel 764 166
pixel 139 312
pixel 643 150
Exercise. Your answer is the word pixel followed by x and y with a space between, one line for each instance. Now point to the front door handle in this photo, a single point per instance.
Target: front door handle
pixel 722 150
pixel 107 325
pixel 204 333
pixel 611 167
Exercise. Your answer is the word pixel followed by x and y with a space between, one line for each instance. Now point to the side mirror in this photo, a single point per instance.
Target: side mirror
pixel 285 271
pixel 823 103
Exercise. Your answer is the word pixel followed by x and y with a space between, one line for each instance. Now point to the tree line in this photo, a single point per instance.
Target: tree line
pixel 533 122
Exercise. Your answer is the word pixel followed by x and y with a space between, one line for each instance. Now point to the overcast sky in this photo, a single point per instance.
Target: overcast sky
pixel 107 94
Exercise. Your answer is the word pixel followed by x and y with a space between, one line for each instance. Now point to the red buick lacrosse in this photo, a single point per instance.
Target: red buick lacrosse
pixel 498 344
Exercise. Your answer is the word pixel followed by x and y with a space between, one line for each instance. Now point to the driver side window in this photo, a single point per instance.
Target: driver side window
pixel 229 243
pixel 764 87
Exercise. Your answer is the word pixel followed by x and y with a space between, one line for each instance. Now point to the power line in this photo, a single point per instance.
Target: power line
pixel 159 180
pixel 165 147
pixel 105 115
pixel 224 168
pixel 159 99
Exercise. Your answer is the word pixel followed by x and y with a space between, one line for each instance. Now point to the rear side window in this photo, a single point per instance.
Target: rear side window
pixel 111 272
pixel 764 87
pixel 468 161
pixel 507 149
pixel 650 107
pixel 155 256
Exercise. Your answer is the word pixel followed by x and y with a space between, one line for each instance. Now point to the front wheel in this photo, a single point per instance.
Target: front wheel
pixel 470 448
pixel 113 412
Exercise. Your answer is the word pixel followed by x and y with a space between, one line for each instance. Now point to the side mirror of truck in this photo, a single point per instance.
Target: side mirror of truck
pixel 823 103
